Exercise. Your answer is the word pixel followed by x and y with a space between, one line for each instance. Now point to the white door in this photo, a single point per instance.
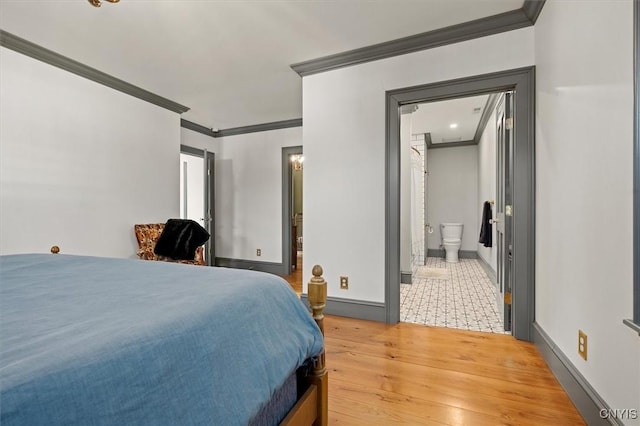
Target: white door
pixel 504 192
pixel 428 229
pixel 197 198
pixel 192 181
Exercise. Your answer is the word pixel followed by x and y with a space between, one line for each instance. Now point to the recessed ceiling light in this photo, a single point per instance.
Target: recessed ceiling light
pixel 453 125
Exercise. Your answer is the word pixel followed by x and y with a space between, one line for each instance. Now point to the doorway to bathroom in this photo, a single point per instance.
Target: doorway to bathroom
pixel 450 152
pixel 514 282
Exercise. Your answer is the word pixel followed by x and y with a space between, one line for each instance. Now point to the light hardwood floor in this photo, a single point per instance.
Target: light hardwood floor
pixel 411 374
pixel 295 278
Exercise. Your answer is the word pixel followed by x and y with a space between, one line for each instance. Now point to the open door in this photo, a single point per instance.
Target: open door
pixel 427 225
pixel 197 196
pixel 504 205
pixel 209 218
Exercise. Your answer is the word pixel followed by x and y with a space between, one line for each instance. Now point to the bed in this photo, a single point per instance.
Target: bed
pixel 100 341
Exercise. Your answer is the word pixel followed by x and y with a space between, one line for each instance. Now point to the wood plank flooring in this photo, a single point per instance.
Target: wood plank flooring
pixel 295 278
pixel 413 374
pixel 410 374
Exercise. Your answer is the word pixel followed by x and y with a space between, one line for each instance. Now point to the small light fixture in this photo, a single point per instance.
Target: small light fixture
pixel 453 125
pixel 98 3
pixel 297 160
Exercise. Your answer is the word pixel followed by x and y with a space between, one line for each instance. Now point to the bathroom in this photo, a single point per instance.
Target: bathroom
pixel 448 172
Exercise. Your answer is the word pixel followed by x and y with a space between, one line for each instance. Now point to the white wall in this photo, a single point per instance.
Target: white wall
pixel 487 185
pixel 344 140
pixel 584 124
pixel 249 194
pixel 248 185
pixel 80 163
pixel 452 193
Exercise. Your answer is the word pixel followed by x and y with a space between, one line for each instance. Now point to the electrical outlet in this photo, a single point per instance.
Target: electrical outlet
pixel 344 283
pixel 582 344
pixel 258 252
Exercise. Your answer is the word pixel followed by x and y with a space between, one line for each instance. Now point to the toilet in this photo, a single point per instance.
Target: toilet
pixel 451 240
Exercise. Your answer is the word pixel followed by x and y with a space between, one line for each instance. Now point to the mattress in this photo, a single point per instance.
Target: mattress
pixel 100 341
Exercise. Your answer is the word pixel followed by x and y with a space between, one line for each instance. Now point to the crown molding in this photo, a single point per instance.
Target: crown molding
pixel 25 47
pixel 430 145
pixel 507 21
pixel 532 9
pixel 197 128
pixel 492 100
pixel 275 125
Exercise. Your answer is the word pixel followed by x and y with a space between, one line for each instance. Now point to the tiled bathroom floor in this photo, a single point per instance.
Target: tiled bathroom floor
pixel 455 295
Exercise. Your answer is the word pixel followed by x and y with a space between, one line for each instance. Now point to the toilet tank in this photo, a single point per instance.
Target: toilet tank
pixel 451 231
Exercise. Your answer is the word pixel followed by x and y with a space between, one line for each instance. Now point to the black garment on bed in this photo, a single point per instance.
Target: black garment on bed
pixel 180 238
pixel 486 234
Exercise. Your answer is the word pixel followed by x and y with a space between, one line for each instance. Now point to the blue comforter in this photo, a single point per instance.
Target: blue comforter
pixel 99 341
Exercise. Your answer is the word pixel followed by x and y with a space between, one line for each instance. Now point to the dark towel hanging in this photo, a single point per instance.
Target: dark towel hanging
pixel 486 234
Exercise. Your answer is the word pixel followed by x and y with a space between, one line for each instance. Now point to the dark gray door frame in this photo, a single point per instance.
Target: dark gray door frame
pixel 522 81
pixel 287 191
pixel 210 206
pixel 209 197
pixel 635 321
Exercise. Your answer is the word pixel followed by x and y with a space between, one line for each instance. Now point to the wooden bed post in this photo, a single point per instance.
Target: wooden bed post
pixel 317 296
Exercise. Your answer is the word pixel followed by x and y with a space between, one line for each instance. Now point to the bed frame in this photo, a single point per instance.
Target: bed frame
pixel 312 407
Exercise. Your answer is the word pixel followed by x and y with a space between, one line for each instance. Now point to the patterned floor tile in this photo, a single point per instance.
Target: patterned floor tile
pixel 465 299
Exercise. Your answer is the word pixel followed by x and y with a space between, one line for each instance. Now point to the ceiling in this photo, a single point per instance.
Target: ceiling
pixel 229 61
pixel 450 121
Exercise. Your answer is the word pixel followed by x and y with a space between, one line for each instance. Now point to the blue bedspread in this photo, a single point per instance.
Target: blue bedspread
pixel 99 341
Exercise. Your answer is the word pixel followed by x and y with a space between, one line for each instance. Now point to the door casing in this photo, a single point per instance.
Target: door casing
pixel 504 196
pixel 209 197
pixel 522 82
pixel 210 206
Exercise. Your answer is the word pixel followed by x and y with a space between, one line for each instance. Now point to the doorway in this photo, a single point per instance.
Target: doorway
pixel 448 184
pixel 292 214
pixel 297 222
pixel 197 193
pixel 521 82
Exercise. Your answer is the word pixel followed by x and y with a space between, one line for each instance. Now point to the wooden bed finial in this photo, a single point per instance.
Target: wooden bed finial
pixel 55 249
pixel 317 296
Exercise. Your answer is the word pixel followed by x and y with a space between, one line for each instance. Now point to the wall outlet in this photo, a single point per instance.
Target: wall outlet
pixel 344 283
pixel 582 344
pixel 258 252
